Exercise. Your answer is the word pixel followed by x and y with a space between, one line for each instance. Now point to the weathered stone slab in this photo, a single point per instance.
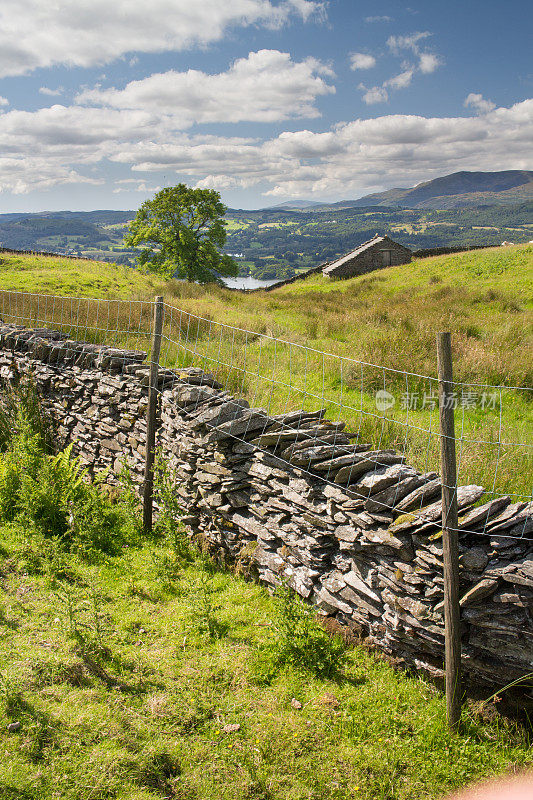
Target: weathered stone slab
pixel 215 415
pixel 466 495
pixel 380 479
pixel 307 456
pixel 479 592
pixel 474 559
pixel 280 437
pixel 482 514
pixel 511 516
pixel 246 425
pixel 366 463
pixel 419 497
pixel 389 497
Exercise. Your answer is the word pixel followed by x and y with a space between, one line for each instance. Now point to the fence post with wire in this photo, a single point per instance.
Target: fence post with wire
pixel 322 468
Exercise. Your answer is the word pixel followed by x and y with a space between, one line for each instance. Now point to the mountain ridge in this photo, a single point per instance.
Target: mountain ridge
pixel 457 190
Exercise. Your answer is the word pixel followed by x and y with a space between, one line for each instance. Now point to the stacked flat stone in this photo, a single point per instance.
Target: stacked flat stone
pixel 354 531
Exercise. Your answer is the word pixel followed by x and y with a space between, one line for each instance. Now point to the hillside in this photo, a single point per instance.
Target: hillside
pixel 73 277
pixel 459 210
pixel 485 297
pixel 456 191
pixel 388 318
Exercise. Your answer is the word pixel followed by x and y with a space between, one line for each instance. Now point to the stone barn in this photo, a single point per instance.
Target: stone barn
pixel 381 251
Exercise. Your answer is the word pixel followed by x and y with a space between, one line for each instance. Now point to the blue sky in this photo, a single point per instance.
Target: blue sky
pixel 264 100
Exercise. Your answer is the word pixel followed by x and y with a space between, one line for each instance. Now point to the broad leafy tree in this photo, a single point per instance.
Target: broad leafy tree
pixel 183 230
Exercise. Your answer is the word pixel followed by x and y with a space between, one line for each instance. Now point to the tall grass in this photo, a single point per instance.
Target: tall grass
pixel 313 344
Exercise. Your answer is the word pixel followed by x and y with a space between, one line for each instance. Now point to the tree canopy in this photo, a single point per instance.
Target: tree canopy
pixel 184 230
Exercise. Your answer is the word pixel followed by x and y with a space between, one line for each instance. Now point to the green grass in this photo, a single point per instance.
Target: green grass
pixel 73 277
pixel 143 714
pixel 388 318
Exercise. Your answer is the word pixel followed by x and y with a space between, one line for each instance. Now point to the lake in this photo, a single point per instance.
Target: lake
pixel 247 283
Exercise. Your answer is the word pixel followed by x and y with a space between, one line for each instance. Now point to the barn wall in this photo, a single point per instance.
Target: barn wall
pixel 371 259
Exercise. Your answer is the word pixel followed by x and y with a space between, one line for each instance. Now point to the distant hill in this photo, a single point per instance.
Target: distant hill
pixel 459 210
pixel 458 190
pixel 292 204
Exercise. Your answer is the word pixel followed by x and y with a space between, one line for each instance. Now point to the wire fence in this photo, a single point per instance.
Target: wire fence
pixel 370 429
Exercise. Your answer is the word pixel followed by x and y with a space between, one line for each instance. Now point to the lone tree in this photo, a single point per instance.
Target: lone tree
pixel 184 230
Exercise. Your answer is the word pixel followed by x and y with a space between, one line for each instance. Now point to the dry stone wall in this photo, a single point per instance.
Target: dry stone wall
pixel 291 496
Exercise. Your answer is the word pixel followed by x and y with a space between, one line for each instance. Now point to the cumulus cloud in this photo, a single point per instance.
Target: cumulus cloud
pixel 479 103
pixel 356 157
pixel 402 80
pixel 37 33
pixel 267 86
pixel 20 176
pixel 68 145
pixel 362 61
pixel 429 62
pixel 4 101
pixel 134 185
pixel 382 18
pixel 51 92
pixel 376 94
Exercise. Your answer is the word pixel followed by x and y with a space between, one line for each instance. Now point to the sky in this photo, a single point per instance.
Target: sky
pixel 104 103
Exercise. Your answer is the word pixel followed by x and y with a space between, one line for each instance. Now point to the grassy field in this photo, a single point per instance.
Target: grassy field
pixel 73 277
pixel 121 692
pixel 388 318
pixel 128 672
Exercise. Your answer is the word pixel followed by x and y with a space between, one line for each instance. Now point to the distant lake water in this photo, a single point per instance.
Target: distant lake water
pixel 247 283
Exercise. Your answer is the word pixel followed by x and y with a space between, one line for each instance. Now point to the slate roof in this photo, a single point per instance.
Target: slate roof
pixel 362 247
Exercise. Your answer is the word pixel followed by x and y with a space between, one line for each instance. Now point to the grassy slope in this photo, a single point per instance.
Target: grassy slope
pixel 387 318
pixel 390 318
pixel 73 277
pixel 145 718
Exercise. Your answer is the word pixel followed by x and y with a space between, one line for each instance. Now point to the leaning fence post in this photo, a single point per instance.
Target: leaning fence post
pixel 450 545
pixel 151 415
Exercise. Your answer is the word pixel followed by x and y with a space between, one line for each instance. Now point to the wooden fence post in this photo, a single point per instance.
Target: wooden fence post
pixel 450 545
pixel 151 415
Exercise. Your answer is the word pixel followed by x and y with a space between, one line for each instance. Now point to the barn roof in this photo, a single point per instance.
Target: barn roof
pixel 362 247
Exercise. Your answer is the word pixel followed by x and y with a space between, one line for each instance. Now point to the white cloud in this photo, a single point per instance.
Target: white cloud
pixel 73 145
pixel 4 101
pixel 429 62
pixel 20 176
pixel 51 92
pixel 38 33
pixel 478 103
pixel 355 157
pixel 409 42
pixel 220 182
pixel 362 61
pixel 376 94
pixel 402 80
pixel 382 18
pixel 134 185
pixel 267 86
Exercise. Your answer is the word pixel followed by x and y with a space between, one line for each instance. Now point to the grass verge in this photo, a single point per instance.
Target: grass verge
pixel 132 668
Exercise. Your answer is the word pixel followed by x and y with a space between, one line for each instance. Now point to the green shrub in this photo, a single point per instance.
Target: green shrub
pixel 20 407
pixel 297 640
pixel 52 496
